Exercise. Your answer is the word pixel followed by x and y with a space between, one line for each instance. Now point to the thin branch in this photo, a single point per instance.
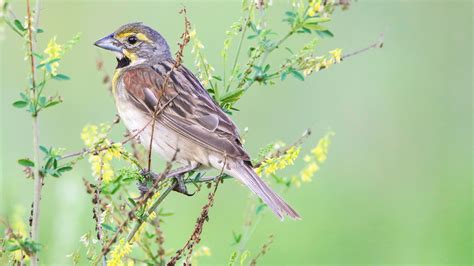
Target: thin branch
pixel 263 251
pixel 279 152
pixel 185 37
pixel 139 222
pixel 377 44
pixel 38 179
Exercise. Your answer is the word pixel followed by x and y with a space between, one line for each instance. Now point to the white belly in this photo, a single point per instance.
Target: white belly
pixel 165 141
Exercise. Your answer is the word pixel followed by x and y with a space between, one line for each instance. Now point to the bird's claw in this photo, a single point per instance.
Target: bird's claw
pixel 180 186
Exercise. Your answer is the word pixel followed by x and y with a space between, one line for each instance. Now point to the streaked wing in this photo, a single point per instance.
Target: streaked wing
pixel 188 108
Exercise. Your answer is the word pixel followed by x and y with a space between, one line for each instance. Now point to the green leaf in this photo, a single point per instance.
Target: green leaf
pixel 237 237
pixel 297 75
pixel 39 31
pixel 40 57
pixel 231 97
pixel 52 103
pixel 42 101
pixel 48 63
pixel 18 25
pixel 64 169
pixel 260 208
pixel 26 162
pixel 317 20
pixel 315 26
pixel 20 104
pixel 61 77
pixel 325 34
pixel 283 75
pixel 109 227
pixel 24 97
pixel 44 149
pixel 12 248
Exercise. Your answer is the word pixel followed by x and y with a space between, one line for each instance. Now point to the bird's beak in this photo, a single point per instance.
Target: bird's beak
pixel 109 43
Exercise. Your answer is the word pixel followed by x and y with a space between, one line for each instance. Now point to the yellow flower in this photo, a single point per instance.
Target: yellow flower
pixel 201 252
pixel 95 137
pixel 321 150
pixel 122 248
pixel 54 51
pixel 308 172
pixel 296 181
pixel 314 7
pixel 319 155
pixel 271 165
pixel 336 54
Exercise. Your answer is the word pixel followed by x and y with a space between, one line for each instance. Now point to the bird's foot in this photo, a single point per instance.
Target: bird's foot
pixel 180 186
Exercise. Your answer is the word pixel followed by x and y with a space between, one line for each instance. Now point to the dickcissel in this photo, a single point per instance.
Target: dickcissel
pixel 189 128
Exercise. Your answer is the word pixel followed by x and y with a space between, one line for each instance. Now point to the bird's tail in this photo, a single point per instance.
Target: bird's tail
pixel 245 174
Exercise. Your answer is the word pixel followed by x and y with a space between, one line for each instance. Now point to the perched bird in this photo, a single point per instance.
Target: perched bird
pixel 189 128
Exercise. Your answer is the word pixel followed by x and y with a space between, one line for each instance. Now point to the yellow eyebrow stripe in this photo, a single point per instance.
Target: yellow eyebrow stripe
pixel 140 36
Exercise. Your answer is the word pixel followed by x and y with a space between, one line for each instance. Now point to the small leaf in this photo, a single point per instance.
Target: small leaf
pixel 297 75
pixel 40 57
pixel 317 20
pixel 52 103
pixel 39 30
pixel 64 169
pixel 48 63
pixel 19 25
pixel 42 101
pixel 61 77
pixel 325 34
pixel 260 208
pixel 44 149
pixel 109 227
pixel 26 163
pixel 20 104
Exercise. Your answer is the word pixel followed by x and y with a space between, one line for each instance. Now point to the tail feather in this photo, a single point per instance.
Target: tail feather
pixel 247 175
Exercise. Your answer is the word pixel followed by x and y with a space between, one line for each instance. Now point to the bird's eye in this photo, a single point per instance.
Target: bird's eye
pixel 132 40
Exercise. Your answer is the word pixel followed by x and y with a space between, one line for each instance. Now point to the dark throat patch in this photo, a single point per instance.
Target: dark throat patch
pixel 123 62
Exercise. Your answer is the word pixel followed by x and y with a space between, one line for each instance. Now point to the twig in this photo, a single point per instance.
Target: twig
pixel 195 237
pixel 38 183
pixel 377 44
pixel 185 37
pixel 263 251
pixel 152 208
pixel 279 152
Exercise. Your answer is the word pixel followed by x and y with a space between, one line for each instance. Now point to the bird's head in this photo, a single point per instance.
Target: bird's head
pixel 136 43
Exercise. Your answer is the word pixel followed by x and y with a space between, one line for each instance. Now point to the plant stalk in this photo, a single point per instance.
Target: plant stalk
pixel 139 222
pixel 38 180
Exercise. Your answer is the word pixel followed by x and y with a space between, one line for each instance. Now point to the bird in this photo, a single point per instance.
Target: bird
pixel 189 127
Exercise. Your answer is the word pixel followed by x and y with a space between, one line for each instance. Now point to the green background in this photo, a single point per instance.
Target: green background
pixel 396 188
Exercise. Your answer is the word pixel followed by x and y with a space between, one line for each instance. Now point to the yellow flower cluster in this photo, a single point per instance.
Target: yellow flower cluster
pixel 204 68
pixel 201 252
pixel 314 7
pixel 311 64
pixel 271 165
pixel 95 137
pixel 54 51
pixel 317 157
pixel 121 250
